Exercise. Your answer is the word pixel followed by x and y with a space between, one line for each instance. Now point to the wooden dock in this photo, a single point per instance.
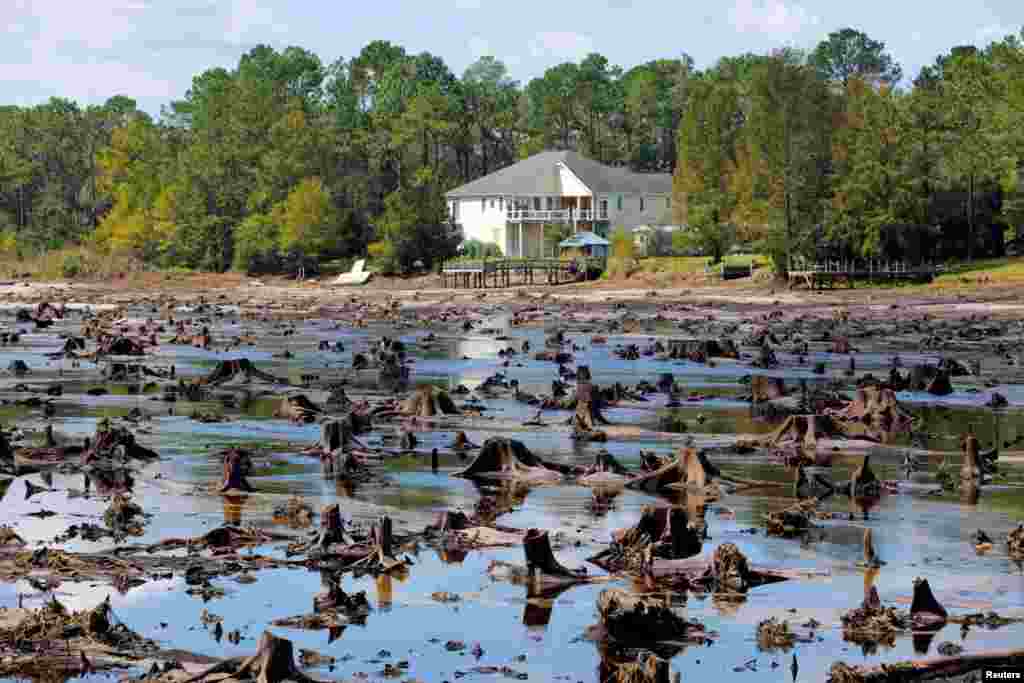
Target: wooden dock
pixel 498 273
pixel 820 276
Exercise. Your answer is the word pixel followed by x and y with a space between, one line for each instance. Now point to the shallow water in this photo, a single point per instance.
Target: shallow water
pixel 916 533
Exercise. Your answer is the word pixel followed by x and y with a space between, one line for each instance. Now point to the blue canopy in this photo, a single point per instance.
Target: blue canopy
pixel 583 239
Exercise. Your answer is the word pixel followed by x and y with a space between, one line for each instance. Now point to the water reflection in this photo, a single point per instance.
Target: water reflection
pixel 233 509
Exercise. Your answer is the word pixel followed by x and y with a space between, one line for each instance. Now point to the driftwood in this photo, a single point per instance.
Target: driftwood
pixel 429 401
pixel 936 668
pixel 588 414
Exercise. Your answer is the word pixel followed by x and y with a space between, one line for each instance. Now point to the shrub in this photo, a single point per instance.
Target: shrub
pixel 72 266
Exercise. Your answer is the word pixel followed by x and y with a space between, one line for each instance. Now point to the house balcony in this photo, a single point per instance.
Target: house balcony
pixel 554 216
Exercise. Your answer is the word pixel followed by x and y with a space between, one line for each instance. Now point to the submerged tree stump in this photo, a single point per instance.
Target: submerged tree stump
pixel 333 436
pixel 764 388
pixel 332 529
pixel 636 620
pixel 298 409
pixel 971 469
pixel 540 557
pixel 588 409
pixel 925 610
pixel 876 406
pixel 236 463
pixel 429 401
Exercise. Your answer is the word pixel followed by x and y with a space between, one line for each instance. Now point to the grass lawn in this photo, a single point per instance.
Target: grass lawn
pixel 696 264
pixel 996 271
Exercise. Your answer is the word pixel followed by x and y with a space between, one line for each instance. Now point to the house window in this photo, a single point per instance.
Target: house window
pixel 549 203
pixel 492 202
pixel 641 204
pixel 668 202
pixel 455 211
pixel 536 203
pixel 604 208
pixel 620 202
pixel 501 203
pixel 483 204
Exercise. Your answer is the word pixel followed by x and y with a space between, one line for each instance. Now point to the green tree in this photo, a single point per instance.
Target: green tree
pixel 976 141
pixel 848 53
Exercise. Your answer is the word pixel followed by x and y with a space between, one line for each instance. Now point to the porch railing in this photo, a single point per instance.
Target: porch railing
pixel 555 215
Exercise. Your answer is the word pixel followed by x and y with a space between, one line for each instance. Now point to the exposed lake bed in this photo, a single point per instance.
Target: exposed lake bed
pixel 436 607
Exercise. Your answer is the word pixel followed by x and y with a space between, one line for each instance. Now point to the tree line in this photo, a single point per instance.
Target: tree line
pixel 284 161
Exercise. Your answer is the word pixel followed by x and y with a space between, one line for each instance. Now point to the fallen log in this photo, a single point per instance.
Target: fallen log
pixel 936 668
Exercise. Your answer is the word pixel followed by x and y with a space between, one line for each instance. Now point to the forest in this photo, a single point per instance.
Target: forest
pixel 285 160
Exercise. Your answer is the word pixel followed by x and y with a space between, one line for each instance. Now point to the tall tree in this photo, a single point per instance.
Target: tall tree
pixel 849 53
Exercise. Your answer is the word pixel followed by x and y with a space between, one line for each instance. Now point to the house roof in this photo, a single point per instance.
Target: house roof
pixel 584 239
pixel 538 175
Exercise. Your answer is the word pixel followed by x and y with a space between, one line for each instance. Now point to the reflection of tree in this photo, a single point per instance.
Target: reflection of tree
pixel 628 664
pixel 233 509
pixel 540 602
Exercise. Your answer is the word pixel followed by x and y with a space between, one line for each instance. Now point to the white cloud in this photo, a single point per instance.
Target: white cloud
pixel 561 45
pixel 468 4
pixel 479 47
pixel 770 16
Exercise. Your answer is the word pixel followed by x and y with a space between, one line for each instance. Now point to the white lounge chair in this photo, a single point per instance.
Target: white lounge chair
pixel 356 276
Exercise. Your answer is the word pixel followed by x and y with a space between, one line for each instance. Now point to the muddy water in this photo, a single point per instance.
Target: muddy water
pixel 916 532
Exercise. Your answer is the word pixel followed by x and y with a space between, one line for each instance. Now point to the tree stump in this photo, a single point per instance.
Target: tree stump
pixel 235 464
pixel 583 374
pixel 275 661
pixel 631 619
pixel 588 408
pixel 863 482
pixel 925 610
pixel 766 388
pixel 870 557
pixel 332 529
pixel 380 535
pixel 971 469
pixel 540 557
pixel 429 401
pixel 729 569
pixel 333 436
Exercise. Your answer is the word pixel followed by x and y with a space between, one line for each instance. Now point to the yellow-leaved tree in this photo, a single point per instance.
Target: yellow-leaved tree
pixel 307 219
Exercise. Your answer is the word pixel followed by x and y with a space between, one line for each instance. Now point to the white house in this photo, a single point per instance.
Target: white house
pixel 510 207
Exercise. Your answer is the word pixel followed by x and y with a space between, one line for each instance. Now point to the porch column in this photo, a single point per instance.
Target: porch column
pixel 520 240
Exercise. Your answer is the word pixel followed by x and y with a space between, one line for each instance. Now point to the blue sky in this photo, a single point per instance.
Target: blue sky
pixel 89 50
